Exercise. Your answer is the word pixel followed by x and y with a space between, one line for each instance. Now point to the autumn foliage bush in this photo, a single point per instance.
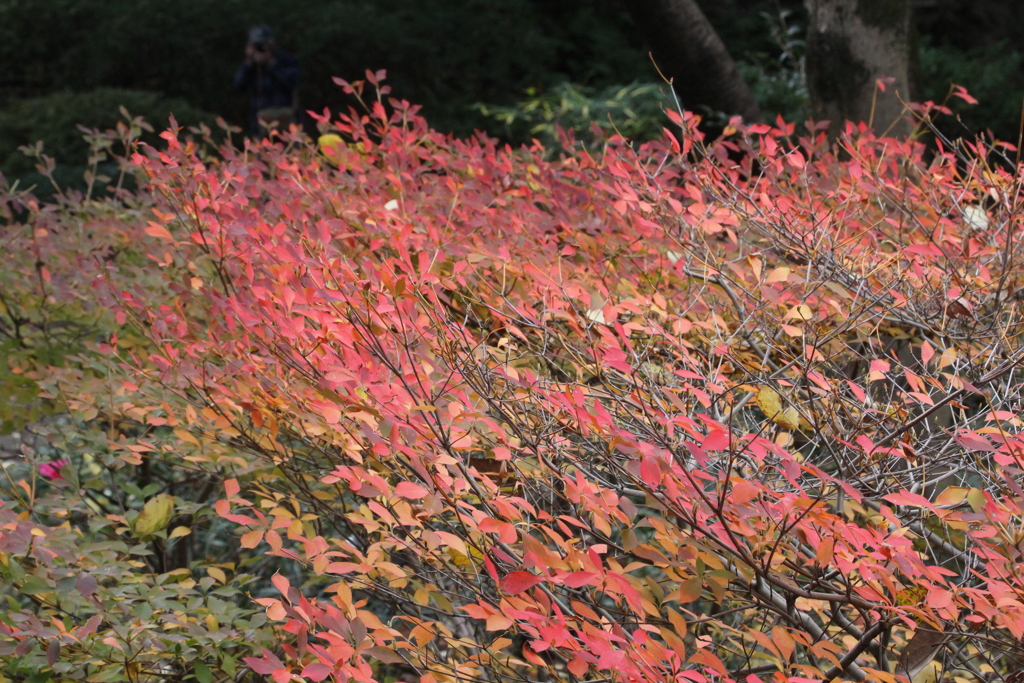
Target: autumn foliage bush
pixel 743 409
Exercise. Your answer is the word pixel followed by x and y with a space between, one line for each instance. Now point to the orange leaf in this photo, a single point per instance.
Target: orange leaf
pixel 252 538
pixel 826 551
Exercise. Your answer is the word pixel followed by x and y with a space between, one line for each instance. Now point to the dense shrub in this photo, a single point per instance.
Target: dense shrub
pixel 689 411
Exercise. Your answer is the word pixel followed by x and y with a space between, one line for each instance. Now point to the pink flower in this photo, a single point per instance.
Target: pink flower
pixel 51 470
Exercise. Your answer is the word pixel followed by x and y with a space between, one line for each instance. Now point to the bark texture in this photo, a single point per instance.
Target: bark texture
pixel 850 45
pixel 688 50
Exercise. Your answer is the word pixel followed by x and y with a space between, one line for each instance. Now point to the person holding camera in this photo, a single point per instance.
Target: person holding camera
pixel 272 78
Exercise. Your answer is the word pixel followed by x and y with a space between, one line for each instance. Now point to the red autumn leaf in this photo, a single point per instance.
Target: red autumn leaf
pixel 650 472
pixel 578 666
pixel 158 231
pixel 316 671
pixel 716 440
pixel 610 659
pixel 519 582
pixel 266 665
pixel 579 579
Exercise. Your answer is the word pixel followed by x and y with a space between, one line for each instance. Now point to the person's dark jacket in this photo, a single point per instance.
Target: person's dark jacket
pixel 269 85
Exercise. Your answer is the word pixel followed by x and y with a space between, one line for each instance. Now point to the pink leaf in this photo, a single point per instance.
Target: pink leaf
pixel 577 579
pixel 908 499
pixel 407 489
pixel 926 352
pixel 716 440
pixel 281 583
pixel 317 672
pixel 518 582
pixel 265 665
pixel 973 441
pixel 610 659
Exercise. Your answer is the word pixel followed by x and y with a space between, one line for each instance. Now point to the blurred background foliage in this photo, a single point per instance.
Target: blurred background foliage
pixel 516 68
pixel 58 119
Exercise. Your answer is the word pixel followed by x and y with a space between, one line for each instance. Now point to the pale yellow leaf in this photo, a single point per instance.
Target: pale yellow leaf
pixel 156 514
pixel 770 403
pixel 801 312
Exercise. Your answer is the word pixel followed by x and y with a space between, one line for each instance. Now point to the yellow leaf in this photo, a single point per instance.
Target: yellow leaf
pixel 755 266
pixel 155 515
pixel 801 312
pixel 422 635
pixel 673 641
pixel 788 419
pixel 770 403
pixel 778 275
pixel 689 590
pixel 330 144
pixel 976 499
pixel 914 595
pixel 953 495
pixel 929 674
pixel 180 531
pixel 218 574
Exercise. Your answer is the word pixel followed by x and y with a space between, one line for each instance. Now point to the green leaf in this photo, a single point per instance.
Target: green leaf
pixel 202 672
pixel 228 665
pixel 34 585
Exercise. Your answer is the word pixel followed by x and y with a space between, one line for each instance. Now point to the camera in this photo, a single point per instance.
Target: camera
pixel 261 38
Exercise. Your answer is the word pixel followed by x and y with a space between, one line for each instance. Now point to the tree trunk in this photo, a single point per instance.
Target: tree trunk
pixel 850 45
pixel 688 51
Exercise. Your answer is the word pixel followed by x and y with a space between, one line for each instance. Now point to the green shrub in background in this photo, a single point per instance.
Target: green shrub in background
pixel 55 120
pixel 773 66
pixel 634 110
pixel 991 73
pixel 776 75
